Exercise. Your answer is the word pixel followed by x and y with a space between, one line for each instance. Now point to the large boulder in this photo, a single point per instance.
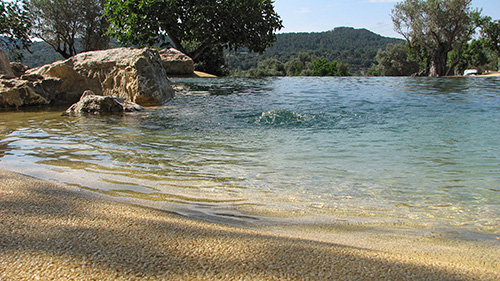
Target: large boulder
pixel 5 69
pixel 92 103
pixel 136 75
pixel 176 62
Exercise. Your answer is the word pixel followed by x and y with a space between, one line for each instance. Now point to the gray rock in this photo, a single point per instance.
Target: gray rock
pixel 16 93
pixel 92 103
pixel 176 62
pixel 18 68
pixel 136 75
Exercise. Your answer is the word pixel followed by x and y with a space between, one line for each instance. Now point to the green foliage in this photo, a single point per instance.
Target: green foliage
pixel 212 61
pixel 40 53
pixel 302 65
pixel 395 61
pixel 357 47
pixel 472 55
pixel 228 23
pixel 60 23
pixel 438 25
pixel 324 68
pixel 490 31
pixel 95 32
pixel 421 56
pixel 15 25
pixel 269 67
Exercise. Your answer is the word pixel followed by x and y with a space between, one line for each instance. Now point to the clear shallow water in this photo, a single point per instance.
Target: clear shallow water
pixel 415 151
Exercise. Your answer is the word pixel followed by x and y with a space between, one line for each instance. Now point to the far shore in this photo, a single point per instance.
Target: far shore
pixel 492 74
pixel 51 231
pixel 195 74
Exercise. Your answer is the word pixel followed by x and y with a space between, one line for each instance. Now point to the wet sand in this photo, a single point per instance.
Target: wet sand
pixel 49 231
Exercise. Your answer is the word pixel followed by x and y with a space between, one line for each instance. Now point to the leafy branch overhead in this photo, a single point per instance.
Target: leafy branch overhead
pixel 15 26
pixel 227 23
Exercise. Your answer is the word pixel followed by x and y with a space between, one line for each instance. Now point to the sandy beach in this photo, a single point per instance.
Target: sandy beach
pixel 54 232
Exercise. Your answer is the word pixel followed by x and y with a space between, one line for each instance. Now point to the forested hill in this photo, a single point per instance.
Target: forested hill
pixel 357 47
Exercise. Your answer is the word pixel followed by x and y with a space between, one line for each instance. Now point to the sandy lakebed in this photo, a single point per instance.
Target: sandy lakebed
pixel 55 232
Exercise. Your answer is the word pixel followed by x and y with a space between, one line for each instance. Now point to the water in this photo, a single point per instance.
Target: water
pixel 412 151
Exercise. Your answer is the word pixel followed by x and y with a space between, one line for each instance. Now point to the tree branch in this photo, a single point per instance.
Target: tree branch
pixel 199 51
pixel 177 43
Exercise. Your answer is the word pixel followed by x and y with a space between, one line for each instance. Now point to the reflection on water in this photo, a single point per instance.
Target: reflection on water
pixel 401 150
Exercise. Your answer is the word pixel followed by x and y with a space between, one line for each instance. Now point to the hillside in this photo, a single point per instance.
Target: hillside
pixel 40 54
pixel 357 47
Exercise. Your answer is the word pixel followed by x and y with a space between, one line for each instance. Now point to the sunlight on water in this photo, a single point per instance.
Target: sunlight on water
pixel 401 150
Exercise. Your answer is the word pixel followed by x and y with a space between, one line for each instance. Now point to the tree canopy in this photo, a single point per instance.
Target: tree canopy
pixel 227 23
pixel 61 22
pixel 15 26
pixel 356 47
pixel 437 25
pixel 395 60
pixel 490 29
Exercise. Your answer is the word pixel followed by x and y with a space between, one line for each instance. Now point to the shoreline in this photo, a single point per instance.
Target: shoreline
pixel 53 231
pixel 493 74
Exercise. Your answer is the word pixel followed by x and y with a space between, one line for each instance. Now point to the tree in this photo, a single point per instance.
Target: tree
pixel 490 31
pixel 437 25
pixel 15 25
pixel 472 55
pixel 60 23
pixel 269 67
pixel 95 26
pixel 212 61
pixel 395 61
pixel 227 23
pixel 302 65
pixel 324 68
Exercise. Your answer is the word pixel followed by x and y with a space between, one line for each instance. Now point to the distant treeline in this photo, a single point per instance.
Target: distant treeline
pixel 352 48
pixel 355 47
pixel 40 53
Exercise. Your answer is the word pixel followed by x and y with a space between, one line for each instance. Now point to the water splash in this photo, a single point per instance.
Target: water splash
pixel 283 117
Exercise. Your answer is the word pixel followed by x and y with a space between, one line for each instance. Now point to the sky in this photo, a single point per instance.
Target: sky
pixel 374 15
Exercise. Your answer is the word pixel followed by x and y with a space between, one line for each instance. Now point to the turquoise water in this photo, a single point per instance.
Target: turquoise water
pixel 414 151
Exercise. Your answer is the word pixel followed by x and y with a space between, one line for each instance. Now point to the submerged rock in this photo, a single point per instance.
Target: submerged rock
pixel 92 103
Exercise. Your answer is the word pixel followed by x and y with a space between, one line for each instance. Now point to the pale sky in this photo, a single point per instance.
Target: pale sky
pixel 374 15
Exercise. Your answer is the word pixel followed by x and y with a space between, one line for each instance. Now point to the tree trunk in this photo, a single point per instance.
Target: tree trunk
pixel 438 64
pixel 177 44
pixel 198 52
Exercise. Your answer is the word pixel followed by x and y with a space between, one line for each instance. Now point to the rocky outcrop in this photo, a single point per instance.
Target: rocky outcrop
pixel 92 103
pixel 135 75
pixel 5 69
pixel 17 92
pixel 176 63
pixel 18 68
